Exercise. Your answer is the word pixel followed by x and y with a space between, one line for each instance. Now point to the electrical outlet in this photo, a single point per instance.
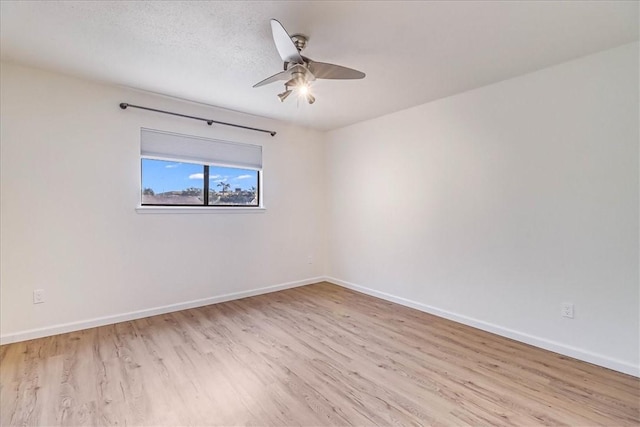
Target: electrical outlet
pixel 567 310
pixel 38 296
pixel 310 259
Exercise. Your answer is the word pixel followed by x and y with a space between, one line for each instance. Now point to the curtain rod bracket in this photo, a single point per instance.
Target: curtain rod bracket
pixel 210 122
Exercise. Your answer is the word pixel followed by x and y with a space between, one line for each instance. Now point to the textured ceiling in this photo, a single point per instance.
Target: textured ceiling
pixel 213 52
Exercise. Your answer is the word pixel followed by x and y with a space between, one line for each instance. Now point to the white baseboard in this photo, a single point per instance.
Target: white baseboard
pixel 576 353
pixel 124 317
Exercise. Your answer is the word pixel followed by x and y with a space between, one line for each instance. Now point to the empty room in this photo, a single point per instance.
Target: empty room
pixel 319 213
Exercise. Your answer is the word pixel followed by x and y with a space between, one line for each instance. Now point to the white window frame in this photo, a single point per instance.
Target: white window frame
pixel 170 146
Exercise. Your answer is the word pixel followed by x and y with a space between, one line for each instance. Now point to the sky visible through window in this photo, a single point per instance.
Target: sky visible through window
pixel 165 176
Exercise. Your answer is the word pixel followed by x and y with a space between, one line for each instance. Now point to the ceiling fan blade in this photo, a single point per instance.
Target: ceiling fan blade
pixel 322 70
pixel 287 50
pixel 282 75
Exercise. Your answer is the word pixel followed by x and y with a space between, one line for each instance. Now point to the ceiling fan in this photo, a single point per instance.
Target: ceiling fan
pixel 300 71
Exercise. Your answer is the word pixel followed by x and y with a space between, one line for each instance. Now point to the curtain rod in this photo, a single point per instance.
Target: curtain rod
pixel 124 106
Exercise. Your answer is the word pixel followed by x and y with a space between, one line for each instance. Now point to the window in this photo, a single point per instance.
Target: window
pixel 180 170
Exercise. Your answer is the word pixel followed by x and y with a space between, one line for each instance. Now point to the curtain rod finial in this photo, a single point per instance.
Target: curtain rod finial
pixel 123 105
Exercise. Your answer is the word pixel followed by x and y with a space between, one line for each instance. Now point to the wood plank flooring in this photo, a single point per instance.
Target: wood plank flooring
pixel 316 355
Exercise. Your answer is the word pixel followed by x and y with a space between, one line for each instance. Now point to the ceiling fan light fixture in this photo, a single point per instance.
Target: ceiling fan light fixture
pixel 304 89
pixel 310 98
pixel 282 96
pixel 297 81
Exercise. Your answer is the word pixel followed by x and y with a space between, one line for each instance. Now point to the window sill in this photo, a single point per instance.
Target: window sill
pixel 197 210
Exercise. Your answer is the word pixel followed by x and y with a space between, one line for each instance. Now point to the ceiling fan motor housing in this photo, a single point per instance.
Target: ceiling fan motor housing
pixel 300 41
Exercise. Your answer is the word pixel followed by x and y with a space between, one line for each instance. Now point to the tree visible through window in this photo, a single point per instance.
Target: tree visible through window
pixel 175 183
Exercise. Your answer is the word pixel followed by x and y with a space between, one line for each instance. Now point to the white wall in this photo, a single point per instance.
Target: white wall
pixel 494 206
pixel 70 173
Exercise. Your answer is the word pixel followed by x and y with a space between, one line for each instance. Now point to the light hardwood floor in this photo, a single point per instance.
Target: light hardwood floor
pixel 316 355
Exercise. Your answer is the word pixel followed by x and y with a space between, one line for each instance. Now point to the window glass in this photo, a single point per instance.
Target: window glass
pixel 166 182
pixel 171 183
pixel 232 186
